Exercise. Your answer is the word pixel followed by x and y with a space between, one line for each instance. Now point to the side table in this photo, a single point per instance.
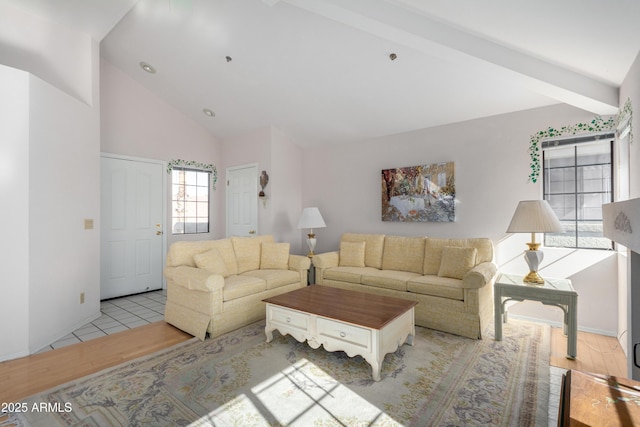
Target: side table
pixel 556 292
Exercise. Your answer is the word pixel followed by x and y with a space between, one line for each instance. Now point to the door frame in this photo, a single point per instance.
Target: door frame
pixel 226 203
pixel 163 217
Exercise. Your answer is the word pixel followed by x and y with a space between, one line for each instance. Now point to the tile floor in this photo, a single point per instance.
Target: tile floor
pixel 128 312
pixel 118 314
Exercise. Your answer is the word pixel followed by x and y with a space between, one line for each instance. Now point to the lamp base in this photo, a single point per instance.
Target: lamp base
pixel 533 257
pixel 534 278
pixel 311 242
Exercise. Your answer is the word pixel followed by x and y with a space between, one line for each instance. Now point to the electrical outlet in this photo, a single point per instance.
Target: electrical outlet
pixel 81 297
pixel 88 224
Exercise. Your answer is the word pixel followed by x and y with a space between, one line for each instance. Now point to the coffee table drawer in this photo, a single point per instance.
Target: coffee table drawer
pixel 289 318
pixel 344 332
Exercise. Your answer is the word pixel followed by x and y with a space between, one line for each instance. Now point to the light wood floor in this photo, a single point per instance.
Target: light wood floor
pixel 23 377
pixel 598 354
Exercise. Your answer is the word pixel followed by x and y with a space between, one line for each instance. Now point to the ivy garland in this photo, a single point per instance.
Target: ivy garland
pixel 598 124
pixel 195 165
pixel 625 115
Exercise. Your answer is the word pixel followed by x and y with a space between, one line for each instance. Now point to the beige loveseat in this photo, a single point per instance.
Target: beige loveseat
pixel 451 279
pixel 217 286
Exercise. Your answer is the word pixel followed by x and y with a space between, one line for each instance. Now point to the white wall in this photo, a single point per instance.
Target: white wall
pixel 492 167
pixel 137 123
pixel 55 53
pixel 286 190
pixel 629 287
pixel 59 179
pixel 630 89
pixel 14 191
pixel 275 152
pixel 246 149
pixel 64 178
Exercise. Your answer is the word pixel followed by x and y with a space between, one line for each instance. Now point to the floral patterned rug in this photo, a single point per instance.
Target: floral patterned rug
pixel 240 380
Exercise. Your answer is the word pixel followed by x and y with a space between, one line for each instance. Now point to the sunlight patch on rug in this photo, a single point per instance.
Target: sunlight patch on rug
pixel 299 395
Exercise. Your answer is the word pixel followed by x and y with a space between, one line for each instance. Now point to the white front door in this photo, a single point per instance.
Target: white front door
pixel 242 200
pixel 132 218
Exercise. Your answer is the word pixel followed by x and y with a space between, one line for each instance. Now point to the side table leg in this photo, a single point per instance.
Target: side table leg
pixel 572 328
pixel 497 308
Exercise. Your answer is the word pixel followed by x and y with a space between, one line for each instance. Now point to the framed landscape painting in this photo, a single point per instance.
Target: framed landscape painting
pixel 419 193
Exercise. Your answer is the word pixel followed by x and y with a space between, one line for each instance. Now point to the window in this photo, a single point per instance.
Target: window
pixel 577 182
pixel 190 201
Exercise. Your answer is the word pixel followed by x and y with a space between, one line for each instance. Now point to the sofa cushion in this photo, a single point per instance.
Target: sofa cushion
pixel 182 252
pixel 352 254
pixel 403 254
pixel 241 286
pixel 347 274
pixel 457 261
pixel 436 286
pixel 373 248
pixel 275 278
pixel 389 279
pixel 274 256
pixel 433 251
pixel 225 247
pixel 247 250
pixel 212 261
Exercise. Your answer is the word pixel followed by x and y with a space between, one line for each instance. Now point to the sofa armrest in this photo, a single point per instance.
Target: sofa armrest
pixel 299 263
pixel 326 260
pixel 197 279
pixel 169 272
pixel 480 275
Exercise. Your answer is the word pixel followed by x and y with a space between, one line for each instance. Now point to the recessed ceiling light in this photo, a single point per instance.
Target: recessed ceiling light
pixel 147 67
pixel 207 112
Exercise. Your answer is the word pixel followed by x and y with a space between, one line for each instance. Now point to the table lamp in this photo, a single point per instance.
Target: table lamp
pixel 534 216
pixel 311 219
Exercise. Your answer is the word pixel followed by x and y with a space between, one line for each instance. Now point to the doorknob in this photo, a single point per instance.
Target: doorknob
pixel 252 231
pixel 158 233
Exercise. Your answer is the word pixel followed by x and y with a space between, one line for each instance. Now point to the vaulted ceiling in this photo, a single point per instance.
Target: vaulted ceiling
pixel 322 70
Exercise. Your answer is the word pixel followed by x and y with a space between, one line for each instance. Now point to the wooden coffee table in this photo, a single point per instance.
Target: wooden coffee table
pixel 357 323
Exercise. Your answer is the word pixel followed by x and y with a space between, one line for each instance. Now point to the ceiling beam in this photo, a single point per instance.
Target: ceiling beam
pixel 417 31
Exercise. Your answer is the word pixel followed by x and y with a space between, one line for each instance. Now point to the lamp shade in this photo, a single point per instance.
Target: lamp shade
pixel 534 216
pixel 311 218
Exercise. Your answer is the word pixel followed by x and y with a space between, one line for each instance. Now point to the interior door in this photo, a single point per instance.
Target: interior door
pixel 242 200
pixel 132 226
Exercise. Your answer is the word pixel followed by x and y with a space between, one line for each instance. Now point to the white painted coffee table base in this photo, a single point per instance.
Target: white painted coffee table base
pixel 333 335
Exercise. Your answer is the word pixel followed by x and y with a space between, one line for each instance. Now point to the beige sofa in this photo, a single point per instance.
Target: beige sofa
pixel 451 279
pixel 217 286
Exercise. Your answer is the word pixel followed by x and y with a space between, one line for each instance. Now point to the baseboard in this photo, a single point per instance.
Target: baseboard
pixel 13 356
pixel 560 325
pixel 69 330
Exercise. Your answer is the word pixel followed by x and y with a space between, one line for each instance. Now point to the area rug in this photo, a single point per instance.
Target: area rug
pixel 240 380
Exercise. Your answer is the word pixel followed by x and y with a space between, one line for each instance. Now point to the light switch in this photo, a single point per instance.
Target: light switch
pixel 88 224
